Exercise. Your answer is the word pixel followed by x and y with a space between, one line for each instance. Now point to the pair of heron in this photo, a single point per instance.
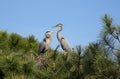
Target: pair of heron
pixel 46 42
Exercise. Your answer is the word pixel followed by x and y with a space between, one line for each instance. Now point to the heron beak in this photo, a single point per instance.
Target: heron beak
pixel 53 26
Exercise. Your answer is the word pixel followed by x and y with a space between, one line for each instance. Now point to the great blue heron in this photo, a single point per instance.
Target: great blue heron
pixel 63 42
pixel 45 43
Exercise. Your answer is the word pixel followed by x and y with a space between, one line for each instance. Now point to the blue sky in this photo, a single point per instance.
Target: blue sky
pixel 81 18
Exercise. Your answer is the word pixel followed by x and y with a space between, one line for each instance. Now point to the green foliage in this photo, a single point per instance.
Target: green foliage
pixel 111 43
pixel 98 60
pixel 3 40
pixel 110 34
pixel 9 65
pixel 15 42
pixel 90 53
pixel 32 43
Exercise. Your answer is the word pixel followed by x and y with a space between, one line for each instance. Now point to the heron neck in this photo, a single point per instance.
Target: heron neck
pixel 58 34
pixel 50 37
pixel 49 40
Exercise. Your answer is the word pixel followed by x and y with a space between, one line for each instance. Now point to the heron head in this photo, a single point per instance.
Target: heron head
pixel 48 33
pixel 58 25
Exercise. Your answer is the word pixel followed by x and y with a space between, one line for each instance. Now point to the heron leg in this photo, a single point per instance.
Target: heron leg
pixel 55 51
pixel 57 47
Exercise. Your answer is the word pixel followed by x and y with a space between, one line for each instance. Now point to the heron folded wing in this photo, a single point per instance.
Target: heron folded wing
pixel 65 45
pixel 42 46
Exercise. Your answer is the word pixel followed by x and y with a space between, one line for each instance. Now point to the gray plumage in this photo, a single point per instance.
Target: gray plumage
pixel 63 41
pixel 45 43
